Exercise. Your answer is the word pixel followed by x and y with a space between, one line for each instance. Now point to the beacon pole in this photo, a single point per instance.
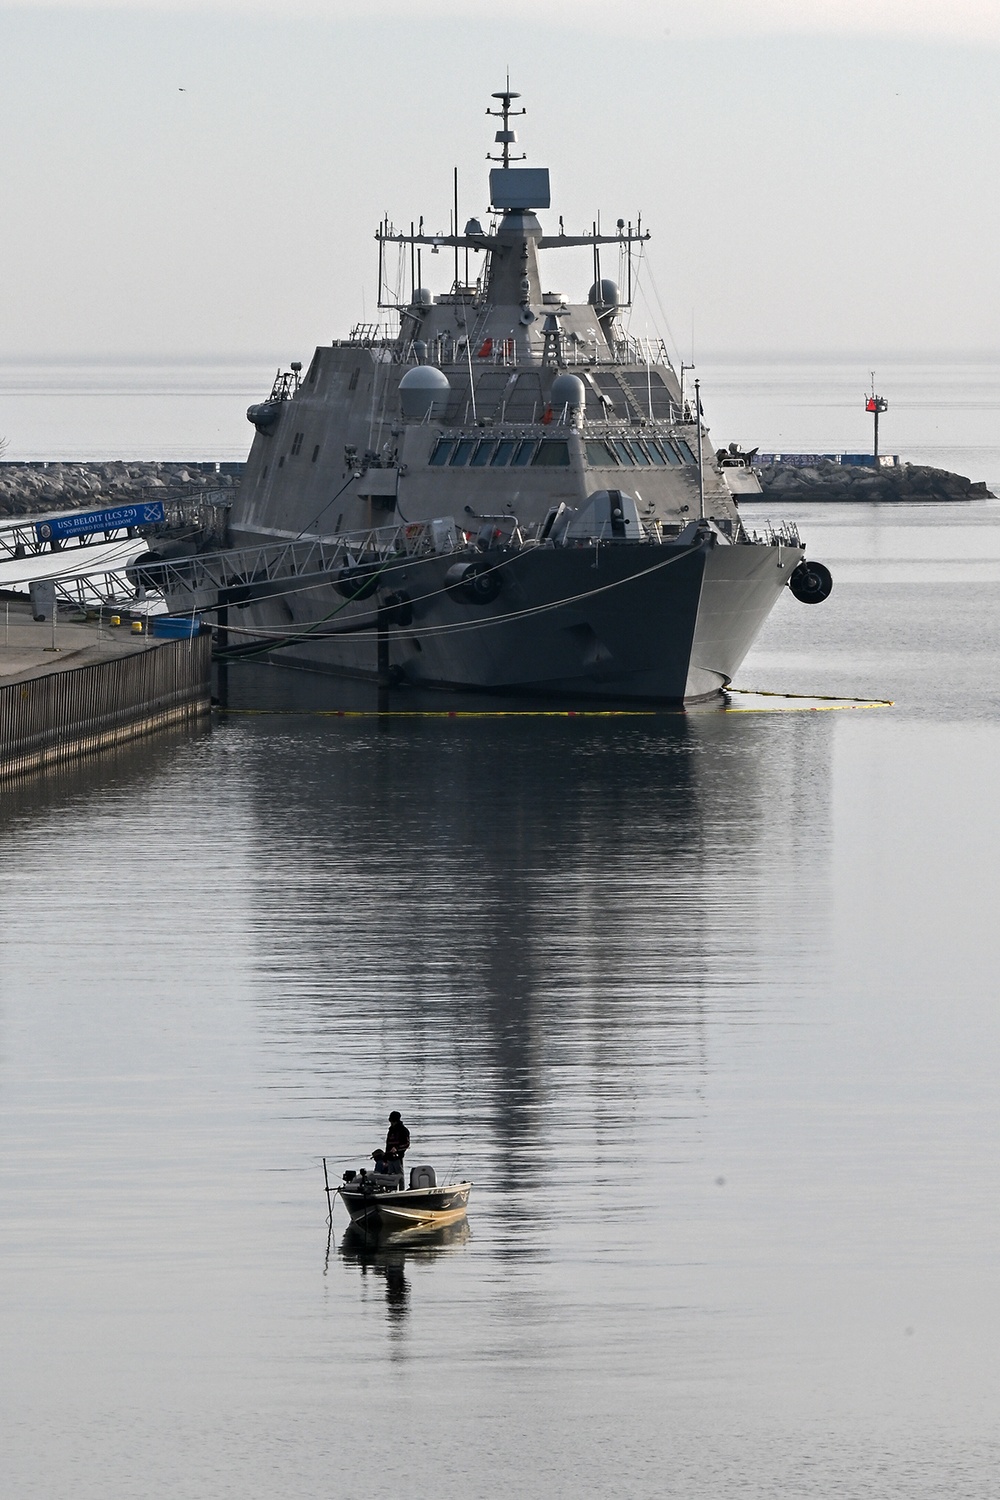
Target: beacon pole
pixel 876 405
pixel 701 466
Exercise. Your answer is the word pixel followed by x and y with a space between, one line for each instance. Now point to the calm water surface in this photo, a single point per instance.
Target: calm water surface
pixel 705 1004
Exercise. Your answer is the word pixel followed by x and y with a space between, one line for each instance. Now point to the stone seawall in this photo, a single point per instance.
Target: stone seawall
pixel 35 488
pixel 838 482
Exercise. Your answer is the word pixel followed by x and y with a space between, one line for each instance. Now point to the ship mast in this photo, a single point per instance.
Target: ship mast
pixel 511 275
pixel 506 137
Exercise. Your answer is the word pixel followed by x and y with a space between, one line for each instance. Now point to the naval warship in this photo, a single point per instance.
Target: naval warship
pixel 498 488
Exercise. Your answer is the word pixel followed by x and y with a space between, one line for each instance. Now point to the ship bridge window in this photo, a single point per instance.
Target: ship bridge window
pixel 621 452
pixel 352 384
pixel 650 447
pixel 462 450
pixel 297 444
pixel 482 455
pixel 685 451
pixel 505 449
pixel 315 453
pixel 524 454
pixel 669 452
pixel 600 456
pixel 649 391
pixel 442 452
pixel 552 453
pixel 639 455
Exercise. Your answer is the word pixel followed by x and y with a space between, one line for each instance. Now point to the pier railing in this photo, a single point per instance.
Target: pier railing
pixel 63 714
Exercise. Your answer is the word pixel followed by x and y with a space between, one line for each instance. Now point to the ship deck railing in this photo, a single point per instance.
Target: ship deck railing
pixel 498 427
pixel 773 534
pixel 448 350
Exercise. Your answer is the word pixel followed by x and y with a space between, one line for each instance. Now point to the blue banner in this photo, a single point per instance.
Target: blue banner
pixel 148 513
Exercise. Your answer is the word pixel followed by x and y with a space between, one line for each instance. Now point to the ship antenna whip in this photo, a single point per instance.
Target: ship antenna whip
pixel 701 466
pixel 468 356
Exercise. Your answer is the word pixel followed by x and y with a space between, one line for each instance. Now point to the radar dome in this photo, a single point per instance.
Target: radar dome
pixel 603 295
pixel 424 392
pixel 568 390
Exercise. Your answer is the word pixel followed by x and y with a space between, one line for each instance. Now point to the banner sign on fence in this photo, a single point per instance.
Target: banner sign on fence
pixel 149 513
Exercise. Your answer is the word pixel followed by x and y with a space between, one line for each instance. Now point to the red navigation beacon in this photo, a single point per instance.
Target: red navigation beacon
pixel 876 405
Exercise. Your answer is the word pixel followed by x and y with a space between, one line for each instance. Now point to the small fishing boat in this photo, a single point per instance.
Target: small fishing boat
pixel 378 1203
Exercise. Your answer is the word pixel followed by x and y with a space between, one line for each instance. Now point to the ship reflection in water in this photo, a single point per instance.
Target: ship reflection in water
pixel 530 933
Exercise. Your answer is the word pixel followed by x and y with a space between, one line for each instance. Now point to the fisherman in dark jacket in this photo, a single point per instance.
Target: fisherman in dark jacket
pixel 397 1140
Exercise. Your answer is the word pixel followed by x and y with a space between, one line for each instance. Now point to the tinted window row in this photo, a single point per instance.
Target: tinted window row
pixel 481 453
pixel 632 453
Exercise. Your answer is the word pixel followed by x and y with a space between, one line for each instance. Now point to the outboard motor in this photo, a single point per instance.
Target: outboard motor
pixel 811 582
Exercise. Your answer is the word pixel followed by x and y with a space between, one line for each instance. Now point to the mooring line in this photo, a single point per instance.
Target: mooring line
pixel 818 697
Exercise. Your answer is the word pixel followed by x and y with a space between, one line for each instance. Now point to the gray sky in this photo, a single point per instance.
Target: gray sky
pixel 190 181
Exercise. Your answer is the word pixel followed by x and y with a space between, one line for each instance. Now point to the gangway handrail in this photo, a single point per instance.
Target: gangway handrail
pixel 266 561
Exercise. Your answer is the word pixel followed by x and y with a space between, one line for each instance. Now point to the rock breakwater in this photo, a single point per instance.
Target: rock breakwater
pixel 830 481
pixel 35 488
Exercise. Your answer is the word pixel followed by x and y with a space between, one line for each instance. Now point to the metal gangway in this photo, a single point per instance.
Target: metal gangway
pixel 96 548
pixel 207 581
pixel 57 531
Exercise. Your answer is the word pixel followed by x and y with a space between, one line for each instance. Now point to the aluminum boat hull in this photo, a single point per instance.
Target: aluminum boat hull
pixel 408 1208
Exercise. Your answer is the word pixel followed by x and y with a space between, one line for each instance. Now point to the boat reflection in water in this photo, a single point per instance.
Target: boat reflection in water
pixel 377 1254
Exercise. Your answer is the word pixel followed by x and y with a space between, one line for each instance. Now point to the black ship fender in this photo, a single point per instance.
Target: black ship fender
pixel 476 581
pixel 358 581
pixel 811 582
pixel 146 571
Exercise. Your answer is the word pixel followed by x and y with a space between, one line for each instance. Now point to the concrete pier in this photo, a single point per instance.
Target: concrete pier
pixel 100 686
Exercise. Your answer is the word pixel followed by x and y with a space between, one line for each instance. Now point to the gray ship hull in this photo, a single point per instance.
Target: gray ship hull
pixel 643 622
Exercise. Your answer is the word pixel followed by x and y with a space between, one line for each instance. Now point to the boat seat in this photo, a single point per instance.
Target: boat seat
pixel 388 1179
pixel 422 1177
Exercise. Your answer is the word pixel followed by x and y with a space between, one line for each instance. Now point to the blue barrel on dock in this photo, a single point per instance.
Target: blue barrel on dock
pixel 175 627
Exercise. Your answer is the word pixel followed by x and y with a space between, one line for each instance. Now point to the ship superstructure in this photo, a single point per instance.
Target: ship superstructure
pixel 498 488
